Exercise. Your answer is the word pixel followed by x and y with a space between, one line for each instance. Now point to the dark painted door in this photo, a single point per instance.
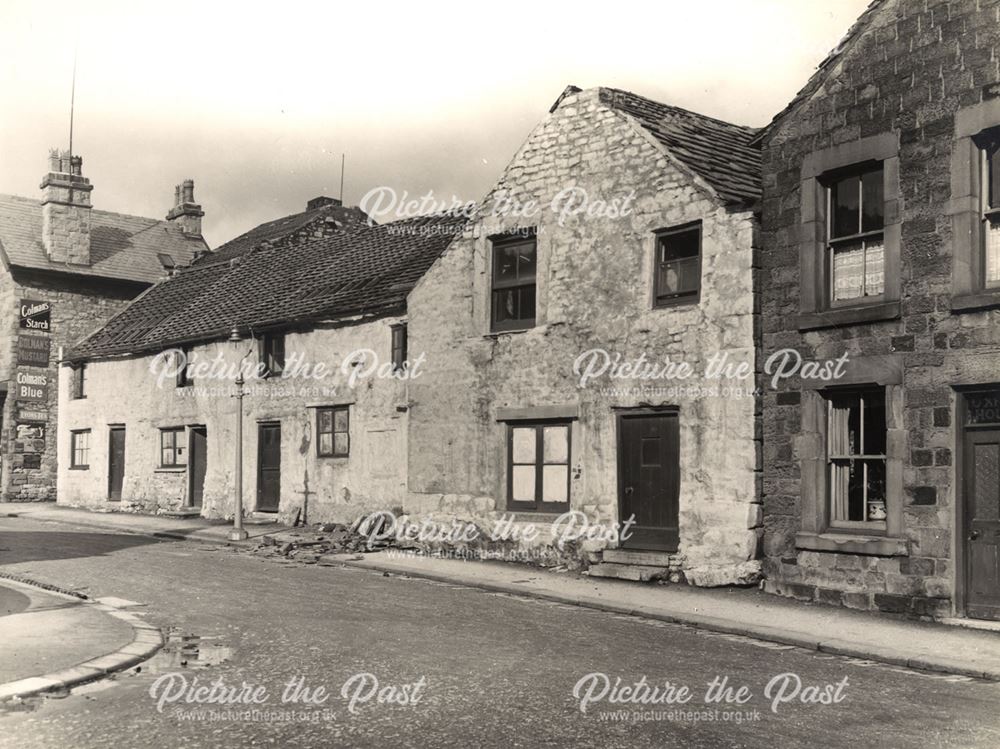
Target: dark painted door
pixel 196 465
pixel 649 478
pixel 982 523
pixel 116 462
pixel 268 467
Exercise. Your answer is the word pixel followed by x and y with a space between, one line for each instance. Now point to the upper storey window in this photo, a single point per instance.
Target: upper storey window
pixel 855 241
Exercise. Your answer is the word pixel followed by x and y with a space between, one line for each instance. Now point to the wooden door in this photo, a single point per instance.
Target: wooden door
pixel 981 503
pixel 649 478
pixel 268 467
pixel 197 452
pixel 116 463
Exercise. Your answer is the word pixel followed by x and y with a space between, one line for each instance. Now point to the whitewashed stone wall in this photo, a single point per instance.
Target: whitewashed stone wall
pixel 594 290
pixel 122 391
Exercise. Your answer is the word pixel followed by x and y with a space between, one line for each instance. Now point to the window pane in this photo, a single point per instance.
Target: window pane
pixel 523 445
pixel 874 429
pixel 181 455
pixel 844 423
pixel 325 421
pixel 993 177
pixel 526 261
pixel 679 277
pixel 166 456
pixel 875 477
pixel 527 303
pixel 874 267
pixel 505 263
pixel 848 272
pixel 555 444
pixel 523 484
pixel 993 252
pixel 554 483
pixel 341 443
pixel 325 443
pixel 679 246
pixel 340 420
pixel 844 195
pixel 872 201
pixel 505 305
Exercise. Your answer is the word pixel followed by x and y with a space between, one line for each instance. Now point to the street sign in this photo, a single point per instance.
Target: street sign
pixel 32 387
pixel 36 315
pixel 33 350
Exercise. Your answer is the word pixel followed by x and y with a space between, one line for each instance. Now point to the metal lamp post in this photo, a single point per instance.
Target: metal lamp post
pixel 238 533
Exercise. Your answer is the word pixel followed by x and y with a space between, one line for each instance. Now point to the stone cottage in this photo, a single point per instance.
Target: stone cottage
pixel 66 267
pixel 882 248
pixel 617 248
pixel 311 311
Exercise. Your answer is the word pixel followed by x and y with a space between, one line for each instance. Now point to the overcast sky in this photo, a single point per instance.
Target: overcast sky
pixel 257 102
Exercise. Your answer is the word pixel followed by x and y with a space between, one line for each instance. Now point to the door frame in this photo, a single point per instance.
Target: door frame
pixel 960 420
pixel 621 414
pixel 115 428
pixel 189 498
pixel 256 494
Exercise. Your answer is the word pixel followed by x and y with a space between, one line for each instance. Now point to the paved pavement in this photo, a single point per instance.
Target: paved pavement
pixel 496 670
pixel 52 632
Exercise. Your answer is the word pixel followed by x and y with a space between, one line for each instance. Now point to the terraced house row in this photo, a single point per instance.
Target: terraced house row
pixel 485 364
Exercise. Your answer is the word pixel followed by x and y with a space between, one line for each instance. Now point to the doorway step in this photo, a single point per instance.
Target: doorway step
pixel 185 512
pixel 641 566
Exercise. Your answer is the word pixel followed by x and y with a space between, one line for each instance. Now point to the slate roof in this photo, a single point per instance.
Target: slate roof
pixel 347 218
pixel 719 152
pixel 121 246
pixel 365 271
pixel 817 78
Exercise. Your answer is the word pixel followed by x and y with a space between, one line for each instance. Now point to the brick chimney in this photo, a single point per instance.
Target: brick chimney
pixel 186 213
pixel 66 209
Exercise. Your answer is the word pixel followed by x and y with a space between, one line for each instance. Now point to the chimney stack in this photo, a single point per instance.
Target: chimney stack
pixel 321 202
pixel 66 209
pixel 186 213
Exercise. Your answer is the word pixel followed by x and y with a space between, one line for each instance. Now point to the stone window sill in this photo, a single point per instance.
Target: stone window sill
pixel 848 316
pixel 171 469
pixel 878 546
pixel 986 299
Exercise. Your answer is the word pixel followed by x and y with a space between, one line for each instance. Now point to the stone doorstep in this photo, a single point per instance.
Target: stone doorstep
pixel 187 512
pixel 643 558
pixel 638 572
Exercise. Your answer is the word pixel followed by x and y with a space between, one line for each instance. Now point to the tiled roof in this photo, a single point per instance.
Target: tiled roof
pixel 817 78
pixel 719 152
pixel 121 246
pixel 270 231
pixel 281 285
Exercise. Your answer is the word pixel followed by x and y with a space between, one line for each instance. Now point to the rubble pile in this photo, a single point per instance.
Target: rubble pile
pixel 309 544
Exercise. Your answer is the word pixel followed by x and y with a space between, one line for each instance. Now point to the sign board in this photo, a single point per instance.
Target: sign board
pixel 31 460
pixel 984 408
pixel 29 432
pixel 36 315
pixel 991 91
pixel 32 414
pixel 33 350
pixel 31 387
